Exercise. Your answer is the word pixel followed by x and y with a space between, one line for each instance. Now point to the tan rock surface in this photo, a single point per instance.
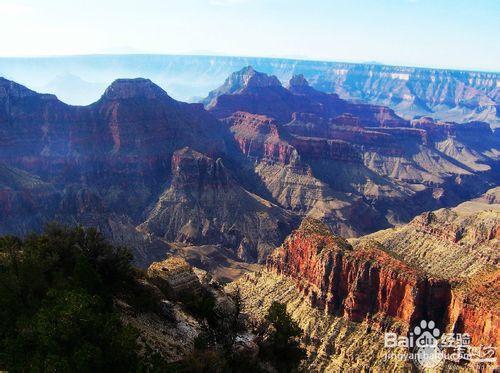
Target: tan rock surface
pixel 174 276
pixel 449 243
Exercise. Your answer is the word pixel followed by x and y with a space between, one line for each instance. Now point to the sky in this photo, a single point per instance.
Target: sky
pixel 461 34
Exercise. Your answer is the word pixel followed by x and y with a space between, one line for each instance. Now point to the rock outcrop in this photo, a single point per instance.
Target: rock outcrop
pixel 258 137
pixel 475 309
pixel 205 205
pixel 25 200
pixel 471 131
pixel 344 294
pixel 339 344
pixel 359 284
pixel 451 243
pixel 236 82
pixel 370 282
pixel 174 277
pixel 335 344
pixel 257 93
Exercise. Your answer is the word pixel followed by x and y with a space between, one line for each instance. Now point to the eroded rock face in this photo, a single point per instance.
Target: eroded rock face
pixel 258 137
pixel 475 309
pixel 435 128
pixel 368 282
pixel 258 93
pixel 205 205
pixel 358 152
pixel 325 149
pixel 43 134
pixel 450 243
pixel 122 89
pixel 25 200
pixel 446 94
pixel 447 225
pixel 335 344
pixel 237 81
pixel 175 277
pixel 360 283
pixel 343 127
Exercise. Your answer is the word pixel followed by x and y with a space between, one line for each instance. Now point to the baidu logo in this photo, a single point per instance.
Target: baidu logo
pixel 428 348
pixel 423 341
pixel 428 353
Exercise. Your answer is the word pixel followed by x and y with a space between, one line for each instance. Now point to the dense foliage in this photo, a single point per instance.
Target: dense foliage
pixel 56 303
pixel 57 313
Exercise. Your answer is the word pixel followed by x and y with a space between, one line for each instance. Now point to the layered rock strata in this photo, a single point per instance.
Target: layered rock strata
pixel 175 277
pixel 368 283
pixel 205 205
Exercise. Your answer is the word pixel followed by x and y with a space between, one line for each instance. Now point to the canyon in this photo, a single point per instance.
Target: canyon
pixel 324 157
pixel 347 294
pixel 361 220
pixel 451 95
pixel 223 185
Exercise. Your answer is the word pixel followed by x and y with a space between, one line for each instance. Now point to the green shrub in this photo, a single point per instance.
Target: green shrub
pixel 56 303
pixel 282 347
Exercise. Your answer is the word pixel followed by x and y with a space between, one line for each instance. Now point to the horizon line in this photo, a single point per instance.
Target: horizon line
pixel 303 59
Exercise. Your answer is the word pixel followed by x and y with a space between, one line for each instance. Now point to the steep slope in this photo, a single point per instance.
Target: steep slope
pixel 366 282
pixel 457 242
pixel 338 344
pixel 342 162
pixel 334 344
pixel 205 205
pixel 289 181
pixel 345 297
pixel 25 200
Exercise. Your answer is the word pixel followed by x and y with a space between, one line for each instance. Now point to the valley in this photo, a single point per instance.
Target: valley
pixel 250 186
pixel 359 221
pixel 154 173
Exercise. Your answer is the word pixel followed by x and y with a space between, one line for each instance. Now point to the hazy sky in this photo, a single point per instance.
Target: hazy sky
pixel 439 33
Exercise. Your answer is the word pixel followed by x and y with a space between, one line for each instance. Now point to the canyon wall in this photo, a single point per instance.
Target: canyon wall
pixel 368 283
pixel 146 168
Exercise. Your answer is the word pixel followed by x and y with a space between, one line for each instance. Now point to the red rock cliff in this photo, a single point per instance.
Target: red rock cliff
pixel 475 309
pixel 357 283
pixel 368 283
pixel 257 136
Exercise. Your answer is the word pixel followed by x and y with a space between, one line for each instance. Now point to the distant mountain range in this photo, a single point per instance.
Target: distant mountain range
pixel 234 177
pixel 443 94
